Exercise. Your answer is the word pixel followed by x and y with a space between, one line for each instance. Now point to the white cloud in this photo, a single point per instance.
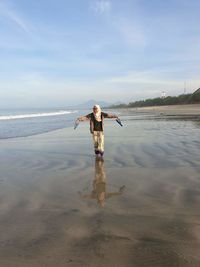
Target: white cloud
pixel 143 77
pixel 33 89
pixel 131 32
pixel 102 6
pixel 8 13
pixel 129 28
pixel 147 83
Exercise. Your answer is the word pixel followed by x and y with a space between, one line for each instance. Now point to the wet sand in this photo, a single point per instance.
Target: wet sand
pixel 140 207
pixel 172 110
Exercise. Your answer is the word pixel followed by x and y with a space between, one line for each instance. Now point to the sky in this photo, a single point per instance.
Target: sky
pixel 57 53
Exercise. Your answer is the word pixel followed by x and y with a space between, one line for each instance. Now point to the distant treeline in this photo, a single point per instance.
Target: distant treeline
pixel 169 100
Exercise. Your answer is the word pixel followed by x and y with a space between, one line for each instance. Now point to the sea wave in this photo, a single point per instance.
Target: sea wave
pixel 35 115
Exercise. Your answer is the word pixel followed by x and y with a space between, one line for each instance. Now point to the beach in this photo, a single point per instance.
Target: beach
pixel 148 216
pixel 173 110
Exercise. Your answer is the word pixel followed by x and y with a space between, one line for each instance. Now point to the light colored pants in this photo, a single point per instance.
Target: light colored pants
pixel 98 139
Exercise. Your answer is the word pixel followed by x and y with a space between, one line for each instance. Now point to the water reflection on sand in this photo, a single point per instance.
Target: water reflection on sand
pixel 99 191
pixel 197 123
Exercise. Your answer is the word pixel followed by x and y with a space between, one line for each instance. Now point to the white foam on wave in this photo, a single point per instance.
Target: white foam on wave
pixel 35 115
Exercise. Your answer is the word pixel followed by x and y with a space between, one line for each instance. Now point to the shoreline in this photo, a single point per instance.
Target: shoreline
pixel 170 110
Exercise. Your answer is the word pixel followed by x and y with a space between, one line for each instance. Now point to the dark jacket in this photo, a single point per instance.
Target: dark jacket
pixel 103 116
pixel 92 119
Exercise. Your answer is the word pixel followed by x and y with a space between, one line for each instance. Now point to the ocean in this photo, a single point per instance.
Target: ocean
pixel 26 122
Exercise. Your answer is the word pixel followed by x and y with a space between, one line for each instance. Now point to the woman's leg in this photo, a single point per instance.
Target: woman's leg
pixel 98 139
pixel 101 143
pixel 95 141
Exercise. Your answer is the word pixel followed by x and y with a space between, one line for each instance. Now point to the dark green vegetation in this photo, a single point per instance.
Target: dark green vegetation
pixel 169 100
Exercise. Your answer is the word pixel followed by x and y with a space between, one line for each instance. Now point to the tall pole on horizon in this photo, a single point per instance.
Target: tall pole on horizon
pixel 184 92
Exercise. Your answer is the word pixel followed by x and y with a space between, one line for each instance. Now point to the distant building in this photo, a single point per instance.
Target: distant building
pixel 163 94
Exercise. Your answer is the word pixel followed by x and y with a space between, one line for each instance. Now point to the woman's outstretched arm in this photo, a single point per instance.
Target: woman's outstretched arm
pixel 111 116
pixel 83 118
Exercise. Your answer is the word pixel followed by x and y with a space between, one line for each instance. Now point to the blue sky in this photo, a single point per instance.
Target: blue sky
pixel 63 52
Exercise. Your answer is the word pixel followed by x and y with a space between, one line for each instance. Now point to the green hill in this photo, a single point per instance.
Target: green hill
pixel 195 97
pixel 197 91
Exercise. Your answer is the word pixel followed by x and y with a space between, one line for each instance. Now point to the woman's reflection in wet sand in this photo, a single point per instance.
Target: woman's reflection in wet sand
pixel 99 191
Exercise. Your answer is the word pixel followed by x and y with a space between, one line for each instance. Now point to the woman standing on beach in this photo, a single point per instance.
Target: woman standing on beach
pixel 97 127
